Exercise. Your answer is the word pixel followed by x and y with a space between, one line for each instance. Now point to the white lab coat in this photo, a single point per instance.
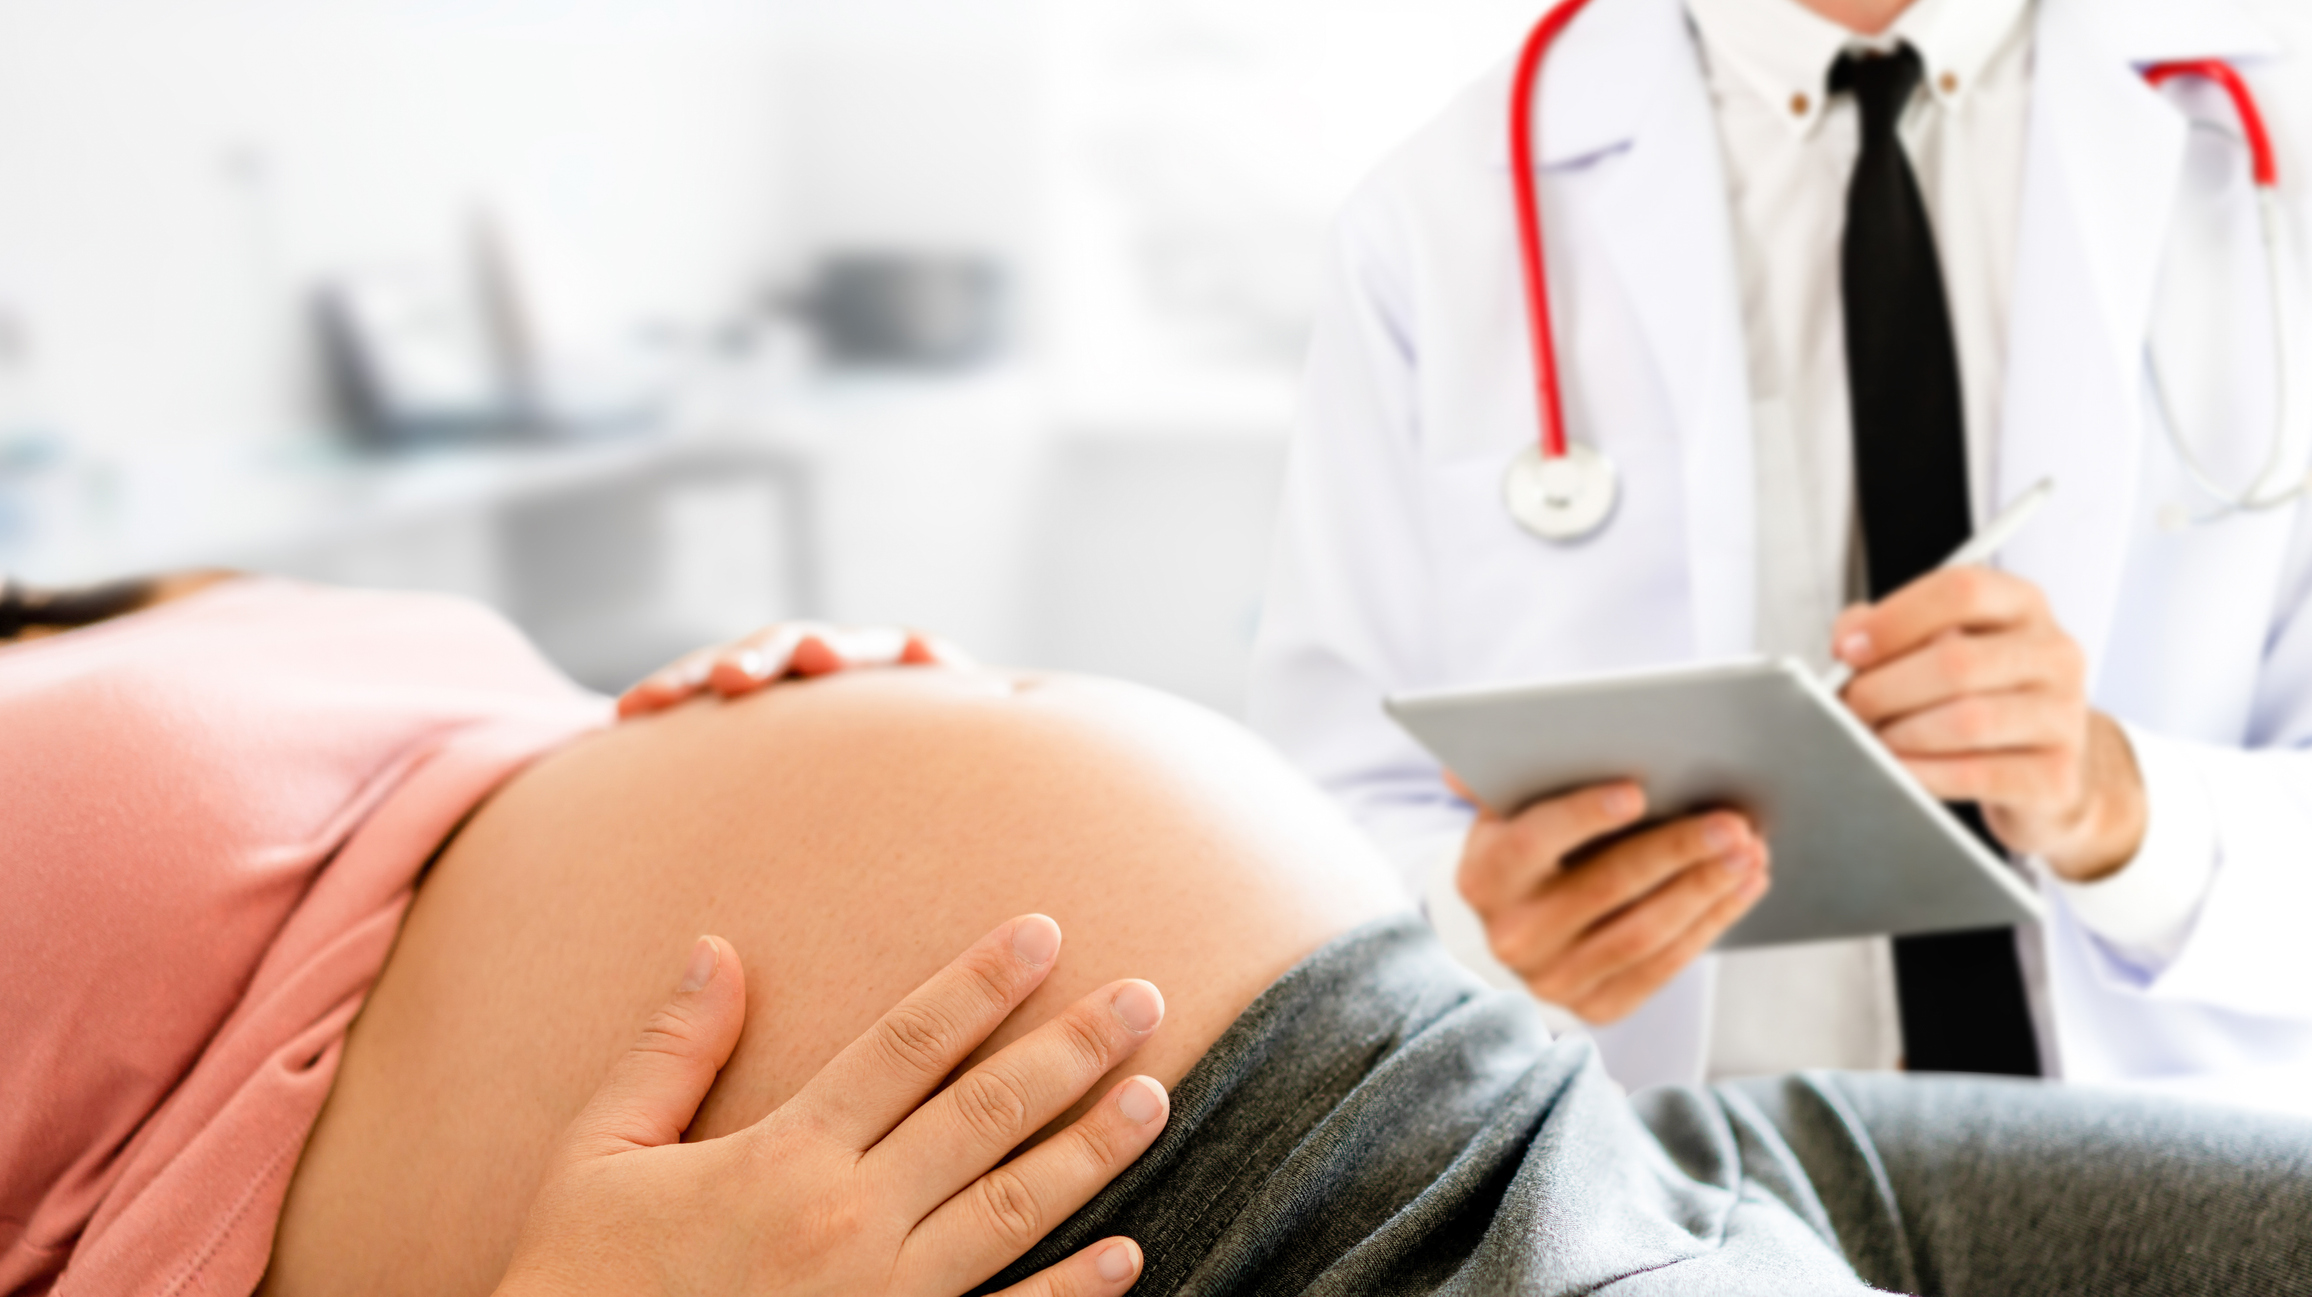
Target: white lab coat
pixel 1397 567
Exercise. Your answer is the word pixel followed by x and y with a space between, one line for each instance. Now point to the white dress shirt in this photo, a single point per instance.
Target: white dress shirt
pixel 1789 148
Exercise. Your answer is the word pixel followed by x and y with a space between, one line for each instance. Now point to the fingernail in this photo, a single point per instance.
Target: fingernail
pixel 1854 648
pixel 1141 1100
pixel 1139 1007
pixel 1036 940
pixel 754 664
pixel 1624 802
pixel 1115 1264
pixel 1736 862
pixel 1720 836
pixel 695 674
pixel 703 961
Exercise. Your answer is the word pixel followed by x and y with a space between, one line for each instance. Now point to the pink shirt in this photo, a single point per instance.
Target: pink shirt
pixel 212 816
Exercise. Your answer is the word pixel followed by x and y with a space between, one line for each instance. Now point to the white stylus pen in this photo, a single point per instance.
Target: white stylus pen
pixel 1980 546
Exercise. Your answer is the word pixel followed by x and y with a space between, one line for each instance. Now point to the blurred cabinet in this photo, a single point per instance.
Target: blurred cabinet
pixel 598 551
pixel 1129 540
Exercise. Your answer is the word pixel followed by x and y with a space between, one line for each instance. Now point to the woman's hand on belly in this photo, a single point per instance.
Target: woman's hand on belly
pixel 857 1185
pixel 783 650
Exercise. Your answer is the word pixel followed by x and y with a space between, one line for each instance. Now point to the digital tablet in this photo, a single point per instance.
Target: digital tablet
pixel 1859 848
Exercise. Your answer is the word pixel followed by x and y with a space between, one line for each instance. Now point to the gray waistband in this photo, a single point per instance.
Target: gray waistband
pixel 1379 1124
pixel 1377 1098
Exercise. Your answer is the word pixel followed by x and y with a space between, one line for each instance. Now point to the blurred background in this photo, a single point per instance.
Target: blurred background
pixel 648 321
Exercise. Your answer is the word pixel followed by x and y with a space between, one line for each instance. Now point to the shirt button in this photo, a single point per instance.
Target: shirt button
pixel 1949 82
pixel 1799 104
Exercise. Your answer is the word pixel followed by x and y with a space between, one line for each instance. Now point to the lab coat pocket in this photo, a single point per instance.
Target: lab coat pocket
pixel 1512 606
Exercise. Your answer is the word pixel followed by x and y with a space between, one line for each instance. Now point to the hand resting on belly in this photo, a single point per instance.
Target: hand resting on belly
pixel 866 1182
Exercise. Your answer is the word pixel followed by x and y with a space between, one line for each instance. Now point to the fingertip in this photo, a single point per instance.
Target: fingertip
pixel 1623 800
pixel 814 656
pixel 738 674
pixel 1143 1100
pixel 1138 1005
pixel 705 961
pixel 1117 1262
pixel 711 970
pixel 1035 939
pixel 652 692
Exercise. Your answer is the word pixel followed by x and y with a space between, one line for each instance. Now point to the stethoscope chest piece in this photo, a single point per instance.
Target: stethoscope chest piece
pixel 1560 497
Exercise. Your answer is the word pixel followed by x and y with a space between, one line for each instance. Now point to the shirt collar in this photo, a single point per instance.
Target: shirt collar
pixel 1784 51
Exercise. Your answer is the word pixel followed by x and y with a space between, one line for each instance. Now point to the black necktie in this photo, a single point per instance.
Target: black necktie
pixel 1961 994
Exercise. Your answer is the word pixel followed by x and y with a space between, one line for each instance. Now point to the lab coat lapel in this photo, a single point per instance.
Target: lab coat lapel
pixel 2101 170
pixel 1627 78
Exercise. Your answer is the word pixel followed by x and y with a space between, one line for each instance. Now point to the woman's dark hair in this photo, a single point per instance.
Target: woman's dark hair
pixel 23 608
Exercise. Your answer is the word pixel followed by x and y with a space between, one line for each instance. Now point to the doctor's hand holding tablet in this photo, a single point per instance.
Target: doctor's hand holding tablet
pixel 1962 674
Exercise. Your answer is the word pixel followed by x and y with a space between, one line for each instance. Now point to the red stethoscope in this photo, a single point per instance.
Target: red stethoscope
pixel 1564 490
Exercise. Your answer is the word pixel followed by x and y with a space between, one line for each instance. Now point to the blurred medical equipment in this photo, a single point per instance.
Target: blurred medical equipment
pixel 416 354
pixel 1564 490
pixel 908 310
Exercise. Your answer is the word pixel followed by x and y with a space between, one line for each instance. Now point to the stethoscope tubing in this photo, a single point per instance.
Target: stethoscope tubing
pixel 2270 490
pixel 1525 183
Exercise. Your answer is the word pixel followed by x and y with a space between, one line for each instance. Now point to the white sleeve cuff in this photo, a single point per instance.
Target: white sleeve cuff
pixel 2145 909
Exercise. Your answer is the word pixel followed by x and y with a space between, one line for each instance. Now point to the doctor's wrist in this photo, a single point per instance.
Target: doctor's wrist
pixel 2106 830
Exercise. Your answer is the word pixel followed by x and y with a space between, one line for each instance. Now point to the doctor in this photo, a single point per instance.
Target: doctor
pixel 1831 280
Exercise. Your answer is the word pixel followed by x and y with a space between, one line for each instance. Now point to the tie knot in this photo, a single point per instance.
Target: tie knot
pixel 1882 84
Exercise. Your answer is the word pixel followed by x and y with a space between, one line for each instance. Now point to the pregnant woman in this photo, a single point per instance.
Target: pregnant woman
pixel 350 949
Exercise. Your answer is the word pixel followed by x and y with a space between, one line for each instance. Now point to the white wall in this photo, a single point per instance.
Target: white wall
pixel 1158 173
pixel 173 174
pixel 1203 146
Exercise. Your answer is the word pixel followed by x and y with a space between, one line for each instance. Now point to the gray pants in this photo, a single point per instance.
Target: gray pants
pixel 1378 1122
pixel 1952 1185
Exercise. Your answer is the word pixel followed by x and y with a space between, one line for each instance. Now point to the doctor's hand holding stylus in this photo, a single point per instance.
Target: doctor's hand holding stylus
pixel 1966 677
